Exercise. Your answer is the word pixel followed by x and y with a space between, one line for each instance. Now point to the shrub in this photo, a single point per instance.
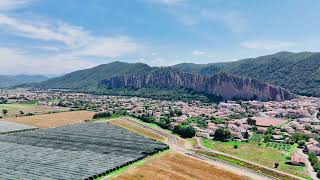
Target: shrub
pixel 102 115
pixel 235 146
pixel 185 131
pixel 222 134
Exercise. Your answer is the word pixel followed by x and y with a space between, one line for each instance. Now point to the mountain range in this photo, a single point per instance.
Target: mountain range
pixel 297 72
pixel 13 80
pixel 264 78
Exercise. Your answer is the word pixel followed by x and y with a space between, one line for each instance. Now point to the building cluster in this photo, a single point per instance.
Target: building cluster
pixel 241 118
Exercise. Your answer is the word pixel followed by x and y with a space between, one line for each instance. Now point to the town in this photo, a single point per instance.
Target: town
pixel 291 126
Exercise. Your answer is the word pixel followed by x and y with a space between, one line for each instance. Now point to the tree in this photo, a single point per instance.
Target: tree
pixel 312 158
pixel 270 130
pixel 267 138
pixel 251 121
pixel 4 111
pixel 185 131
pixel 21 113
pixel 301 143
pixel 298 136
pixel 102 115
pixel 222 134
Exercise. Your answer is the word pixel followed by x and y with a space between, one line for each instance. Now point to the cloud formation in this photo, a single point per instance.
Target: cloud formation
pixel 7 5
pixel 270 45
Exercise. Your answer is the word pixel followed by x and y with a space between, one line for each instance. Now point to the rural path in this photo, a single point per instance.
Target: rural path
pixel 176 145
pixel 311 172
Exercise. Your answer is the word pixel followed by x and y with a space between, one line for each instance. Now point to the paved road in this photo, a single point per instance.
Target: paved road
pixel 174 144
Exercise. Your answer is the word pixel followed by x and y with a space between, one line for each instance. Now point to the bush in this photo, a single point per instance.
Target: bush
pixel 235 146
pixel 222 134
pixel 301 143
pixel 102 115
pixel 185 131
pixel 318 173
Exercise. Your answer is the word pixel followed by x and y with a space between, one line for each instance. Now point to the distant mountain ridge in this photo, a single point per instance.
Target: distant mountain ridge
pixel 137 75
pixel 297 72
pixel 225 86
pixel 13 80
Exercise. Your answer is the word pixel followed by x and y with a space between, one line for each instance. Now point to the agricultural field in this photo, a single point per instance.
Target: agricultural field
pixel 279 146
pixel 52 120
pixel 175 166
pixel 258 153
pixel 6 127
pixel 15 108
pixel 137 129
pixel 72 152
pixel 256 138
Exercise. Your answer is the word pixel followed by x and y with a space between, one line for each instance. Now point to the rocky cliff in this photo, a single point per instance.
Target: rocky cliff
pixel 228 87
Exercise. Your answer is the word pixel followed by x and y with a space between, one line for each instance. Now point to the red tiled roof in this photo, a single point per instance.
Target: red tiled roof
pixel 268 121
pixel 297 158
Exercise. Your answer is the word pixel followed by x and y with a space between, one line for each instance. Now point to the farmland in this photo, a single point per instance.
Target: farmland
pixel 72 152
pixel 15 108
pixel 6 127
pixel 259 154
pixel 53 120
pixel 137 129
pixel 176 166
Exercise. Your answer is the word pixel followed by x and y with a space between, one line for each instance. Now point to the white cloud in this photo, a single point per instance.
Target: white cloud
pixel 270 45
pixel 198 53
pixel 168 2
pixel 108 47
pixel 234 20
pixel 14 61
pixel 7 5
pixel 75 38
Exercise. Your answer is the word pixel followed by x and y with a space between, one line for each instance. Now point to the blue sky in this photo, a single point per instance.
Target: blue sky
pixel 59 36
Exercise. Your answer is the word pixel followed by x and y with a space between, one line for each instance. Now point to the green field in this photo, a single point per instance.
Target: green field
pixel 16 106
pixel 259 154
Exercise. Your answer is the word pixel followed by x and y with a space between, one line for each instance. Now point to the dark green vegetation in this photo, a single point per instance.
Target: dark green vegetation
pixel 185 131
pixel 297 72
pixel 315 163
pixel 222 134
pixel 158 93
pixel 8 80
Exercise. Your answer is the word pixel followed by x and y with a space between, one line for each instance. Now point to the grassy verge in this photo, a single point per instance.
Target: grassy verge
pixel 250 166
pixel 260 154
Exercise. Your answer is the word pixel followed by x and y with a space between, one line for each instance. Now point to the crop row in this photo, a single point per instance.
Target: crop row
pixel 80 151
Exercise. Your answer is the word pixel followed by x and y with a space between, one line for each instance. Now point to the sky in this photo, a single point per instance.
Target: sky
pixel 60 36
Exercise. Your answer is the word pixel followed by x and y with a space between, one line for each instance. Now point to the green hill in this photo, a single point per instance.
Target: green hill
pixel 89 79
pixel 298 72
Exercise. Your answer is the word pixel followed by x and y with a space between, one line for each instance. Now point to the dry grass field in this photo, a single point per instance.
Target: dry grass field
pixel 176 166
pixel 53 120
pixel 137 129
pixel 14 109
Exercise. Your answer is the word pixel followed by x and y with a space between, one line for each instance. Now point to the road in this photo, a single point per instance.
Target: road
pixel 174 143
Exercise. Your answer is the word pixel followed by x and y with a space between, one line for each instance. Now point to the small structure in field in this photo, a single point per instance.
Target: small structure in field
pixel 297 159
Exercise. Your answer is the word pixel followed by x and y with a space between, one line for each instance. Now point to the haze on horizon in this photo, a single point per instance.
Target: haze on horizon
pixel 57 37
